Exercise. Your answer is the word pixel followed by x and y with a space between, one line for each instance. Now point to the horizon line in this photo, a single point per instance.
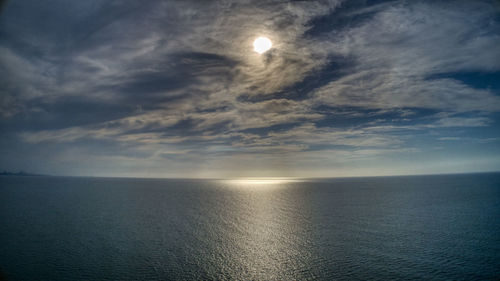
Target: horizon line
pixel 249 177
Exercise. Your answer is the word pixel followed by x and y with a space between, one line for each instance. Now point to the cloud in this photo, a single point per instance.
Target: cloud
pixel 463 122
pixel 345 79
pixel 403 45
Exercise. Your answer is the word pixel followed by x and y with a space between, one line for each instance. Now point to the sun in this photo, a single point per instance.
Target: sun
pixel 262 45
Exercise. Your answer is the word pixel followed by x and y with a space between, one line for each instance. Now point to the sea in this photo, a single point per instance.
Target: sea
pixel 439 227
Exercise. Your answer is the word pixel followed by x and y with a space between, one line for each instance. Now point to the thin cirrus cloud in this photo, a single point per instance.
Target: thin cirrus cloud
pixel 173 88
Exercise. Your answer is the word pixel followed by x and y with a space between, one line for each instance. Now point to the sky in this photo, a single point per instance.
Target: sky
pixel 174 89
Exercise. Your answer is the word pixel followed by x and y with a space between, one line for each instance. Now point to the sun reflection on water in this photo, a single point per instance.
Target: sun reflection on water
pixel 266 217
pixel 261 181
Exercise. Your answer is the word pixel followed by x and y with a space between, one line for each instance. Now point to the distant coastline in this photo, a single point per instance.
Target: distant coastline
pixel 26 174
pixel 20 173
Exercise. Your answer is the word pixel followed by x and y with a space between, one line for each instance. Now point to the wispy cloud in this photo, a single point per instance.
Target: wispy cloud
pixel 344 79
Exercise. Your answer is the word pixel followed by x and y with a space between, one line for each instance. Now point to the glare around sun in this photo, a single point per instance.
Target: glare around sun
pixel 262 45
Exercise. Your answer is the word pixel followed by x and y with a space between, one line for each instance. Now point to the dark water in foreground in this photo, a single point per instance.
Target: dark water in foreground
pixel 425 227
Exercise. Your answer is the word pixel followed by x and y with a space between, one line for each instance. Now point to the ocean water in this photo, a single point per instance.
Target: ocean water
pixel 402 228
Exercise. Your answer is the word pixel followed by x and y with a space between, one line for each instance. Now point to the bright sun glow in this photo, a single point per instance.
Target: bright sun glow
pixel 261 181
pixel 262 45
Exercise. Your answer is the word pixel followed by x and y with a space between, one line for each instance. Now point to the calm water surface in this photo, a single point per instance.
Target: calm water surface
pixel 423 227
